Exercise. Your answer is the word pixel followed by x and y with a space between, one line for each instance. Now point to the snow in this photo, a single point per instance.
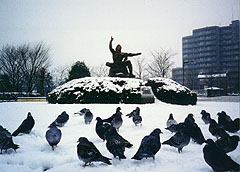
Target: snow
pixel 36 155
pixel 101 83
pixel 169 84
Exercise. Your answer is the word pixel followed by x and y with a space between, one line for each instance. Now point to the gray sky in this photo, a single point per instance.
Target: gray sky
pixel 81 29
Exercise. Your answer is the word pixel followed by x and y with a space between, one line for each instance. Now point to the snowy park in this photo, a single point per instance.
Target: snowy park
pixel 35 154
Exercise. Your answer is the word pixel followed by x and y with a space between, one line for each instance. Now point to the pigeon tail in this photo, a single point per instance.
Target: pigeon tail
pixel 15 133
pixel 105 160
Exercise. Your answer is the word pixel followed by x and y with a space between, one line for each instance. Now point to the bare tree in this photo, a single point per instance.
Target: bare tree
pixel 140 65
pixel 161 64
pixel 11 64
pixel 21 65
pixel 60 74
pixel 37 58
pixel 99 71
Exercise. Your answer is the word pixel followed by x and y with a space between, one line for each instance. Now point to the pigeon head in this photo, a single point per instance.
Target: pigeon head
pixel 156 132
pixel 98 119
pixel 210 142
pixel 203 112
pixel 171 116
pixel 118 109
pixel 137 109
pixel 29 114
pixel 190 115
pixel 82 140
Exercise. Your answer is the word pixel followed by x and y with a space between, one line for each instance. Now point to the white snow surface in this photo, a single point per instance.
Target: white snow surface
pixel 36 155
pixel 99 83
pixel 170 84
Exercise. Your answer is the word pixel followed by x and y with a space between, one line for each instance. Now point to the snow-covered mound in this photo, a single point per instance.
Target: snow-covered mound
pixel 97 90
pixel 170 91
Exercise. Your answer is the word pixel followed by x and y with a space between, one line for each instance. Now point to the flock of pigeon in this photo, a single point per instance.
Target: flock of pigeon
pixel 214 153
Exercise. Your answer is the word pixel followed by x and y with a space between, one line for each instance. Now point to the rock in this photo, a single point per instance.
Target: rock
pixel 169 91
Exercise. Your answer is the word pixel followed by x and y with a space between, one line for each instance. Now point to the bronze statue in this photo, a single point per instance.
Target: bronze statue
pixel 121 66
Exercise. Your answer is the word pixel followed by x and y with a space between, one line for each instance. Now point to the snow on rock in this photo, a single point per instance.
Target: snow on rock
pixel 170 91
pixel 97 90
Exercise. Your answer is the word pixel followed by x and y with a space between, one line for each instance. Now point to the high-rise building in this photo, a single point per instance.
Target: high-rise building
pixel 211 57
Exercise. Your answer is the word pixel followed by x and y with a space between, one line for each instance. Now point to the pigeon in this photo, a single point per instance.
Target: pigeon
pixel 116 144
pixel 149 146
pixel 53 136
pixel 26 126
pixel 87 152
pixel 171 120
pixel 101 128
pixel 233 126
pixel 228 143
pixel 179 140
pixel 135 115
pixel 6 141
pixel 109 120
pixel 189 119
pixel 228 124
pixel 88 116
pixel 216 130
pixel 217 159
pixel 134 112
pixel 117 120
pixel 81 112
pixel 61 119
pixel 137 119
pixel 223 118
pixel 205 117
pixel 195 133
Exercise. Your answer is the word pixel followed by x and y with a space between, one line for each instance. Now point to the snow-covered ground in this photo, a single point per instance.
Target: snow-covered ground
pixel 35 154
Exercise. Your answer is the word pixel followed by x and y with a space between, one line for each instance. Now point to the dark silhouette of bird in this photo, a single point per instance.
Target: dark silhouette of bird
pixel 26 126
pixel 171 121
pixel 135 115
pixel 149 146
pixel 195 133
pixel 88 116
pixel 87 152
pixel 216 130
pixel 228 124
pixel 61 119
pixel 223 118
pixel 109 120
pixel 53 135
pixel 205 117
pixel 6 141
pixel 233 126
pixel 228 143
pixel 179 140
pixel 217 159
pixel 189 119
pixel 116 144
pixel 101 128
pixel 81 112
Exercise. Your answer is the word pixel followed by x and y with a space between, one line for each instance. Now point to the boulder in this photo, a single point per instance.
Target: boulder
pixel 97 90
pixel 169 91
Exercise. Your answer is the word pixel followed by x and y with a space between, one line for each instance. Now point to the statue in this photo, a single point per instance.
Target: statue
pixel 121 66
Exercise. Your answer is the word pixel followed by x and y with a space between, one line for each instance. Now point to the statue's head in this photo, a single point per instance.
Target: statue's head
pixel 118 48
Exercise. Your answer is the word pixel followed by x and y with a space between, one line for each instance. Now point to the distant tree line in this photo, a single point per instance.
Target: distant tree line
pixel 26 68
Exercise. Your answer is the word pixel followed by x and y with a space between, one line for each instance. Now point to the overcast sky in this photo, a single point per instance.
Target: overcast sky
pixel 81 29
